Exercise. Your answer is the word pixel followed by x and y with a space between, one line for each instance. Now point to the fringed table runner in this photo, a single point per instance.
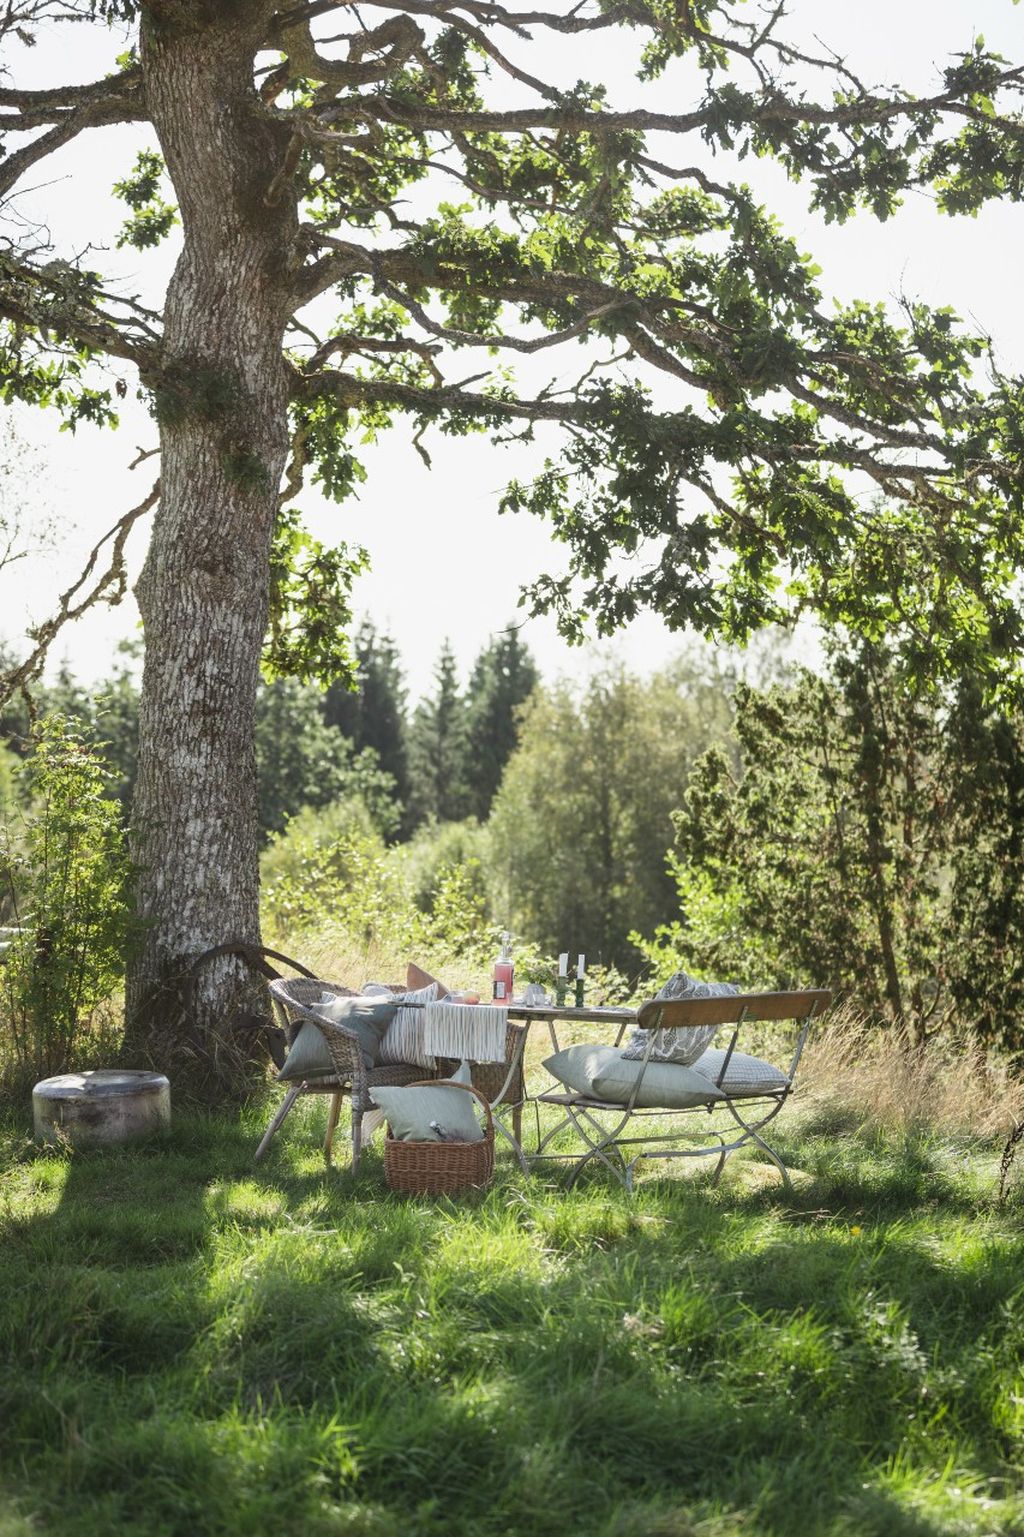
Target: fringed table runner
pixel 470 1031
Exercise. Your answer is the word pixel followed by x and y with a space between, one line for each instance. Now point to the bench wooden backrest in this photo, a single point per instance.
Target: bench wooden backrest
pixel 676 1013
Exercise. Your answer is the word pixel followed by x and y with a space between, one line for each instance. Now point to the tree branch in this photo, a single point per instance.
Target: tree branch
pixel 110 587
pixel 49 106
pixel 44 300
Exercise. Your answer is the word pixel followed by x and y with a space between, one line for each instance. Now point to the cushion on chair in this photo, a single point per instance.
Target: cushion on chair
pixel 411 1110
pixel 681 1045
pixel 416 977
pixel 403 1039
pixel 745 1075
pixel 601 1072
pixel 368 1018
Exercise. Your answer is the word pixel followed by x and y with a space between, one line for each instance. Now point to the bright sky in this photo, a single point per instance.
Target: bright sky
pixel 444 563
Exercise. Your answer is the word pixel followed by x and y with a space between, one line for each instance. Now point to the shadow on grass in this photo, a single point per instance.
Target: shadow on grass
pixel 192 1344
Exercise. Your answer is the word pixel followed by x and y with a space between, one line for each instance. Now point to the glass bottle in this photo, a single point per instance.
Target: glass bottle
pixel 504 971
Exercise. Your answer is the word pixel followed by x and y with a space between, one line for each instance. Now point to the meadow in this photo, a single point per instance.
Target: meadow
pixel 193 1345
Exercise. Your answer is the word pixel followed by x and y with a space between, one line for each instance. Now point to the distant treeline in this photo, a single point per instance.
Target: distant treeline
pixel 853 827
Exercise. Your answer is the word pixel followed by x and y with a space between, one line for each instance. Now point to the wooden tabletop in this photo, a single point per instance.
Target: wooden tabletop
pixel 543 1011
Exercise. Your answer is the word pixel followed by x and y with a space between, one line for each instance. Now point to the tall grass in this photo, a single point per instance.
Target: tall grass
pixel 952 1087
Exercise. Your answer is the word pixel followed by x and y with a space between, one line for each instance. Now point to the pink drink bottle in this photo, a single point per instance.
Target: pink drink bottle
pixel 504 971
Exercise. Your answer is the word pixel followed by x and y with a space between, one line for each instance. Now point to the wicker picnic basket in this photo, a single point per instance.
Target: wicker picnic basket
pixel 441 1168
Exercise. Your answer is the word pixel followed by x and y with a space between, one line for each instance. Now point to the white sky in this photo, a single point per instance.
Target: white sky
pixel 444 564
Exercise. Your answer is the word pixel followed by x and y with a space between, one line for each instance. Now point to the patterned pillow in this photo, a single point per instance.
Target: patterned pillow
pixel 403 1039
pixel 680 1046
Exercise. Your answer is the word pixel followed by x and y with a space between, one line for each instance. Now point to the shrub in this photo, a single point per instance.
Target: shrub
pixel 438 846
pixel 65 879
pixel 328 866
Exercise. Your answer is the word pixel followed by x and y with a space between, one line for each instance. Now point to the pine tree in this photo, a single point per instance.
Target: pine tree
pixel 438 748
pixel 373 713
pixel 504 676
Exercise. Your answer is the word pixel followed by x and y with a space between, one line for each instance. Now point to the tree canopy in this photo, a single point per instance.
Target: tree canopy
pixel 728 449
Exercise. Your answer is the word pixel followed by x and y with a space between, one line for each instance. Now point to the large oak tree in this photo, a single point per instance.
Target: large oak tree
pixel 367 190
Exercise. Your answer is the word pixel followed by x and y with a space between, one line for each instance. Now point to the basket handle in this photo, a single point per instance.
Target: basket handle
pixel 432 1083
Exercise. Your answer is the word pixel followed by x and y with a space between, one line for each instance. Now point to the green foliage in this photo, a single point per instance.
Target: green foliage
pixel 310 604
pixel 370 711
pixel 106 716
pixel 48 367
pixel 460 742
pixel 581 823
pixel 328 865
pixel 151 219
pixel 504 676
pixel 870 840
pixel 303 762
pixel 65 878
pixel 229 1350
pixel 10 766
pixel 193 388
pixel 508 235
pixel 435 846
pixel 439 749
pixel 457 919
pixel 329 874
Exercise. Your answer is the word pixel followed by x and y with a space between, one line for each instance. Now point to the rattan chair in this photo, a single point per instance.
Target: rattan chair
pixel 296 999
pixel 736 1111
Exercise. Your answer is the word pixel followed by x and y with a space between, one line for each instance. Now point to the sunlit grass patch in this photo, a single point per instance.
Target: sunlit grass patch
pixel 193 1344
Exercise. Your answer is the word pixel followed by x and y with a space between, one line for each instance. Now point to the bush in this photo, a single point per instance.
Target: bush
pixel 437 847
pixel 330 885
pixel 65 879
pixel 327 866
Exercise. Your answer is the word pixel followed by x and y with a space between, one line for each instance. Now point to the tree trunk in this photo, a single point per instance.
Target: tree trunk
pixel 203 593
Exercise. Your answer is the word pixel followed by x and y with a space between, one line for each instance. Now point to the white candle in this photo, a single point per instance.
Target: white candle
pixel 579 965
pixel 563 964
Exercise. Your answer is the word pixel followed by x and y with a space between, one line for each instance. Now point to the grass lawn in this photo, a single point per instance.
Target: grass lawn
pixel 194 1345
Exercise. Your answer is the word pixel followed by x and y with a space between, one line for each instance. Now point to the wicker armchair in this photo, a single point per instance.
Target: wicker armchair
pixel 295 999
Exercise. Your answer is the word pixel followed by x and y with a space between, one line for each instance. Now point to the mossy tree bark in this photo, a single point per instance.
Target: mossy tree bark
pixel 203 593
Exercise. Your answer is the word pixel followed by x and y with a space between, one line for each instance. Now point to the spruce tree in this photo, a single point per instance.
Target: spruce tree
pixel 372 714
pixel 438 747
pixel 504 676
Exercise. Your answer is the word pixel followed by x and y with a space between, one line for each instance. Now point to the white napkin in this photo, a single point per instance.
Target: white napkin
pixel 471 1030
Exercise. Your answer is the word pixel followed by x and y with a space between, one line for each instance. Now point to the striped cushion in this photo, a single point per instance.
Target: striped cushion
pixel 403 1039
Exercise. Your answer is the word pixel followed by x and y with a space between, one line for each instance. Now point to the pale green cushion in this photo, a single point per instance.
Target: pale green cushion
pixel 601 1072
pixel 368 1018
pixel 411 1110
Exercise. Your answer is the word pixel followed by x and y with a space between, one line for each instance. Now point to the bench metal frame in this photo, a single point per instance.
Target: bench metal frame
pixel 601 1124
